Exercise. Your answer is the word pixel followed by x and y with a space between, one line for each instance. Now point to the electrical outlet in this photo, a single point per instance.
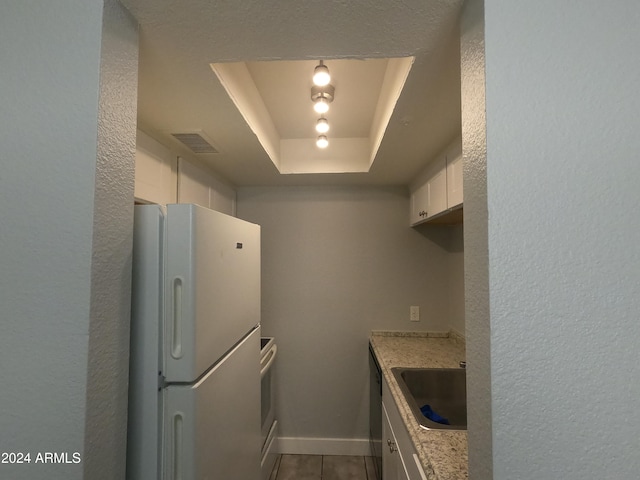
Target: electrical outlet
pixel 414 313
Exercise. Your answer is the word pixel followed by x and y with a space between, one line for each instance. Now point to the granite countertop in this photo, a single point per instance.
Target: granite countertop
pixel 443 453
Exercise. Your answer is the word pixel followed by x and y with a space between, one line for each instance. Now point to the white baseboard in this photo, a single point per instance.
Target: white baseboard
pixel 323 446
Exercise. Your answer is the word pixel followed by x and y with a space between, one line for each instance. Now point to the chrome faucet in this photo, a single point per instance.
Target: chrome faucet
pixel 463 364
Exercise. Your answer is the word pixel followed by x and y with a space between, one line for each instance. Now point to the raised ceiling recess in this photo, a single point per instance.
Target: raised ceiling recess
pixel 274 99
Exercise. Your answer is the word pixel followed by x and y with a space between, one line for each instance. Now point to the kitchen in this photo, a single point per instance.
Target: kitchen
pixel 82 348
pixel 338 262
pixel 338 256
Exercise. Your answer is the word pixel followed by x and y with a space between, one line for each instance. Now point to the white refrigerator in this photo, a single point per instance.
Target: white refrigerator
pixel 194 390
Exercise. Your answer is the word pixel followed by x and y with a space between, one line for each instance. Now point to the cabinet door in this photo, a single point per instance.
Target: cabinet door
pixel 437 190
pixel 430 198
pixel 393 467
pixel 391 463
pixel 402 472
pixel 419 205
pixel 193 184
pixel 155 176
pixel 199 187
pixel 454 180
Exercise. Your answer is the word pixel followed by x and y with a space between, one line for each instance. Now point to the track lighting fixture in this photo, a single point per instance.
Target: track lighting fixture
pixel 322 97
pixel 322 141
pixel 322 125
pixel 321 105
pixel 322 93
pixel 321 76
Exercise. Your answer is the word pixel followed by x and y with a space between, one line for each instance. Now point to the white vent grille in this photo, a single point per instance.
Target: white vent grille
pixel 195 142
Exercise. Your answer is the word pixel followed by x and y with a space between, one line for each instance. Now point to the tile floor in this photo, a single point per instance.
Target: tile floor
pixel 322 467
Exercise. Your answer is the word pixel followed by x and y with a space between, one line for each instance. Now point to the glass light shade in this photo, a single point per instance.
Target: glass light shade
pixel 321 75
pixel 321 105
pixel 322 126
pixel 322 142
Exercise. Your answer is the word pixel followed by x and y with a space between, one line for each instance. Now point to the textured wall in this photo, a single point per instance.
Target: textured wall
pixel 49 136
pixel 108 368
pixel 48 133
pixel 475 240
pixel 562 118
pixel 337 263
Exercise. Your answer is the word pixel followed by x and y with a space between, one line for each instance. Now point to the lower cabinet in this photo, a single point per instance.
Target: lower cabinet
pixel 392 465
pixel 399 458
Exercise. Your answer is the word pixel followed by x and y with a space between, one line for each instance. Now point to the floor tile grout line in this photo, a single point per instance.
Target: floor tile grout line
pixel 363 462
pixel 364 467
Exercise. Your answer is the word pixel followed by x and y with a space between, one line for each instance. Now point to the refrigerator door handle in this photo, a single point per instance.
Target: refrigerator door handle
pixel 270 356
pixel 176 334
pixel 177 446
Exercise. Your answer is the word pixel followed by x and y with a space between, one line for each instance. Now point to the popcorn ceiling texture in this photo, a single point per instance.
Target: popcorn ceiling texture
pixel 326 27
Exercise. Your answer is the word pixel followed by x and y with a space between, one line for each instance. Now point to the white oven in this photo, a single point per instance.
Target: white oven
pixel 268 350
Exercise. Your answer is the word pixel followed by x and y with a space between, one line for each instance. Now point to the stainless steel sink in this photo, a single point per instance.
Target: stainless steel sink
pixel 443 389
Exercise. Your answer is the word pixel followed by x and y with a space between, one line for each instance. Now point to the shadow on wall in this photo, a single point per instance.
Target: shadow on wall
pixel 448 237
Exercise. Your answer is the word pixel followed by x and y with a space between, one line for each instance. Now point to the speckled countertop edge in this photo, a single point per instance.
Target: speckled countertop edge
pixel 442 453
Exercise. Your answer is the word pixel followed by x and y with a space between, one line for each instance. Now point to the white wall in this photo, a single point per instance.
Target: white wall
pixel 67 136
pixel 476 270
pixel 338 263
pixel 108 360
pixel 455 275
pixel 562 172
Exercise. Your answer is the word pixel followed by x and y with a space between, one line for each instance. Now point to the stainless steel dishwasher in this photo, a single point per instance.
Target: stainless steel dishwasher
pixel 375 412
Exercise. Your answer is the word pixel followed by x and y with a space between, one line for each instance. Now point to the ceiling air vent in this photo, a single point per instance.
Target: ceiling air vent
pixel 196 142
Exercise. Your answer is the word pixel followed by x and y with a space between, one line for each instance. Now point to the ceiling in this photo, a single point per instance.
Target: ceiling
pixel 191 52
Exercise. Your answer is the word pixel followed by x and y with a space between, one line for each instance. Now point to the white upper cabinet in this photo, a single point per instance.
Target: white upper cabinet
pixel 418 205
pixel 156 172
pixel 193 184
pixel 430 197
pixel 438 188
pixel 163 178
pixel 199 187
pixel 454 177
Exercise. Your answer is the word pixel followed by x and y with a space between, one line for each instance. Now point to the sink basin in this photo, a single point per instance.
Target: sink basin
pixel 443 389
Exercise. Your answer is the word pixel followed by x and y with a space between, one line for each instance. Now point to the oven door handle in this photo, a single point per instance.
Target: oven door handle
pixel 270 356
